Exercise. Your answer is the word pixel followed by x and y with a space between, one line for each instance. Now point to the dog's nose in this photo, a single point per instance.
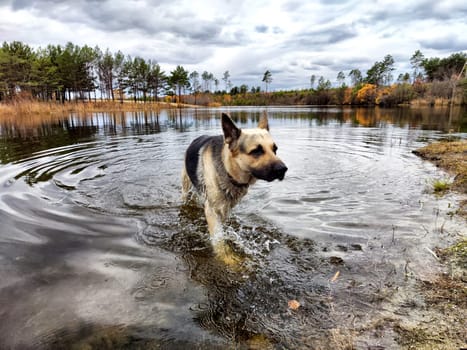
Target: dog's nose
pixel 279 170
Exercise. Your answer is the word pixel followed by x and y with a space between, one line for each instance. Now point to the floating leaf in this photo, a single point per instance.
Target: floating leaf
pixel 293 304
pixel 336 275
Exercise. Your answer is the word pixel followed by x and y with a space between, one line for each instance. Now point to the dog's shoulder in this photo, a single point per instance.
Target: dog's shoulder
pixel 194 151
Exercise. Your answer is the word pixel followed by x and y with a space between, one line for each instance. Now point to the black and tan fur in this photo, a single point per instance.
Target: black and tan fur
pixel 221 168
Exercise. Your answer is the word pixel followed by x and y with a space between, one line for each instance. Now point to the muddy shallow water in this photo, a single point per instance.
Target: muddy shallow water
pixel 96 248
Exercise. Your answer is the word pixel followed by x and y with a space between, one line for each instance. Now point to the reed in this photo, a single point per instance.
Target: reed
pixel 28 107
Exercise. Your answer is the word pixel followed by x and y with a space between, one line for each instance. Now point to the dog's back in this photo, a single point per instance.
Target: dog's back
pixel 192 158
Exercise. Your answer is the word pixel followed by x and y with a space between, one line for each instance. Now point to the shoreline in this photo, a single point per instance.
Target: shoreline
pixel 21 107
pixel 447 292
pixel 34 107
pixel 452 157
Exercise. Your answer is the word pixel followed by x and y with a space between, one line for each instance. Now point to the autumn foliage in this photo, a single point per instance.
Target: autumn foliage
pixel 367 94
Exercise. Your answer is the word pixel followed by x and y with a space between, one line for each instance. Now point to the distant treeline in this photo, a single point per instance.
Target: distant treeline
pixel 70 72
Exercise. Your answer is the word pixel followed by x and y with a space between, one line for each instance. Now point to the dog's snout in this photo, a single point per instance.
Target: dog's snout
pixel 280 170
pixel 272 172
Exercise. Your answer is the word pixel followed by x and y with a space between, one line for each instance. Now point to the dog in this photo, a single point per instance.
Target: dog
pixel 220 169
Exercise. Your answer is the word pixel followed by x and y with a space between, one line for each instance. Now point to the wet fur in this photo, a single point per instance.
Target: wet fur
pixel 220 169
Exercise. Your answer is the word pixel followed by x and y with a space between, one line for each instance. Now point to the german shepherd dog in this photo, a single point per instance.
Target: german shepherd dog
pixel 221 168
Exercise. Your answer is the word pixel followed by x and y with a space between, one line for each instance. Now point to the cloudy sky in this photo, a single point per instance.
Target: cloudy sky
pixel 293 39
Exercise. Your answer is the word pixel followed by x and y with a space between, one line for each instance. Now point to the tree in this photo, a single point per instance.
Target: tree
pixel 179 80
pixel 109 71
pixel 105 65
pixel 388 67
pixel 137 77
pixel 312 80
pixel 235 90
pixel 207 79
pixel 444 68
pixel 119 73
pixel 143 70
pixel 243 89
pixel 226 80
pixel 323 84
pixel 341 78
pixel 89 76
pixel 195 84
pixel 267 79
pixel 380 72
pixel 54 53
pixel 157 79
pixel 403 78
pixel 355 77
pixel 15 67
pixel 374 74
pixel 130 82
pixel 417 64
pixel 75 68
pixel 255 90
pixel 44 78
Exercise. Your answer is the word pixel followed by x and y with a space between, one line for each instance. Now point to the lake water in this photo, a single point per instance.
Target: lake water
pixel 97 250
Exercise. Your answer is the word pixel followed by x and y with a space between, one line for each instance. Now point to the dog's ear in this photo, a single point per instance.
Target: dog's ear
pixel 263 122
pixel 231 132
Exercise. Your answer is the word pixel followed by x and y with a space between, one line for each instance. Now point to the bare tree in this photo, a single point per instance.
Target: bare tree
pixel 267 79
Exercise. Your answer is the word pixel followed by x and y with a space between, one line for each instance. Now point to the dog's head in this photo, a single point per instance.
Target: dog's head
pixel 253 151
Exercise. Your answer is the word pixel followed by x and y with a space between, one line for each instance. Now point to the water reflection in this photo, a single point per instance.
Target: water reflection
pixel 22 136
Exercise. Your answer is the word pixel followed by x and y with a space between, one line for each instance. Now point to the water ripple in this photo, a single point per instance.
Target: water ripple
pixel 95 232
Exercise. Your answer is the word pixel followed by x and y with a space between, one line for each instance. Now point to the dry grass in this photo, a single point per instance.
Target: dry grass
pixel 427 337
pixel 447 293
pixel 448 297
pixel 449 155
pixel 28 107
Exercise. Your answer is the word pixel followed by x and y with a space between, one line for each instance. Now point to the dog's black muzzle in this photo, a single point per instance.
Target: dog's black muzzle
pixel 275 171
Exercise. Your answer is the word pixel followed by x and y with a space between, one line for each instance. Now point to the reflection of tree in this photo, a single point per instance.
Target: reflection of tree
pixel 18 143
pixel 22 138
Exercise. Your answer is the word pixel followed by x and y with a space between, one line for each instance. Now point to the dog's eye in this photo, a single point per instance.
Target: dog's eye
pixel 274 148
pixel 258 151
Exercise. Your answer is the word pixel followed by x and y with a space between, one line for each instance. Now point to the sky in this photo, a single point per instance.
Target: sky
pixel 292 39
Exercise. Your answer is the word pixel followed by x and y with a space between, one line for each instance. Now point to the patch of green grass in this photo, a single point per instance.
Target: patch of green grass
pixel 459 249
pixel 441 185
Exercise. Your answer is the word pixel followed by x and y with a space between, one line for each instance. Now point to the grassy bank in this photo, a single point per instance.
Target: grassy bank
pixel 446 293
pixel 451 156
pixel 29 107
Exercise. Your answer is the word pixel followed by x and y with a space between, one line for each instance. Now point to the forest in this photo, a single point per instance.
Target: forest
pixel 71 73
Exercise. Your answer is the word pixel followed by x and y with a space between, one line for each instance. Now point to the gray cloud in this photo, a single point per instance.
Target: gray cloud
pixel 315 39
pixel 261 29
pixel 292 6
pixel 291 38
pixel 412 11
pixel 277 30
pixel 154 18
pixel 452 43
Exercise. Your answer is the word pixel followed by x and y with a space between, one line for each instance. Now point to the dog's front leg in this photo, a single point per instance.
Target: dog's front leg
pixel 212 218
pixel 186 186
pixel 222 250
